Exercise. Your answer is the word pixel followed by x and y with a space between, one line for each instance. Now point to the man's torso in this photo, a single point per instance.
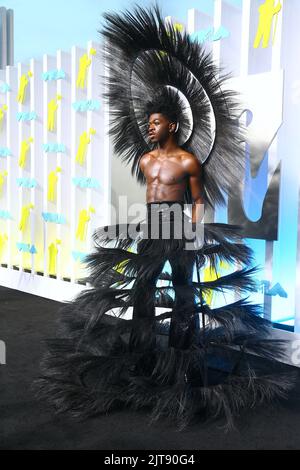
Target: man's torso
pixel 166 176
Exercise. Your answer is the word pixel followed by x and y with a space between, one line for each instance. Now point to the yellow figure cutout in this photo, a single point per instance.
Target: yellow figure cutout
pixel 84 218
pixel 52 109
pixel 24 81
pixel 53 251
pixel 25 147
pixel 178 27
pixel 210 274
pixel 84 64
pixel 3 241
pixel 161 54
pixel 84 141
pixel 3 175
pixel 266 13
pixel 25 213
pixel 52 184
pixel 120 267
pixel 2 114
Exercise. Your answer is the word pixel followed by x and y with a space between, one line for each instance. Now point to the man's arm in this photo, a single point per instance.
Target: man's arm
pixel 194 170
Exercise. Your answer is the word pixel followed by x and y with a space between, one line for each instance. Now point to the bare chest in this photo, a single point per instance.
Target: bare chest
pixel 165 172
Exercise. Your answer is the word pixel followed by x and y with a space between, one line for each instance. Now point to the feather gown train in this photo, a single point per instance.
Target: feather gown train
pixel 187 360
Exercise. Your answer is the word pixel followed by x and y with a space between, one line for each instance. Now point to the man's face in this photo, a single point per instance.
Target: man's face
pixel 159 128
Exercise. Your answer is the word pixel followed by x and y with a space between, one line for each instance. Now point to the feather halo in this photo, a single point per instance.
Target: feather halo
pixel 143 54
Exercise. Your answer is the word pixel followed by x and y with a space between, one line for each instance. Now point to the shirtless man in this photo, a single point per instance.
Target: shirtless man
pixel 168 170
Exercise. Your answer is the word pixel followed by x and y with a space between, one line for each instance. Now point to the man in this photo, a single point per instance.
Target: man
pixel 169 172
pixel 169 169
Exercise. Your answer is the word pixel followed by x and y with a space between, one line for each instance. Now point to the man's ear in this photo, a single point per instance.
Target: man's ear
pixel 172 127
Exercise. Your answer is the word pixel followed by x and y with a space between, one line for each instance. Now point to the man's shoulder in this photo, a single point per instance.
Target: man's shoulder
pixel 191 163
pixel 150 154
pixel 189 158
pixel 145 158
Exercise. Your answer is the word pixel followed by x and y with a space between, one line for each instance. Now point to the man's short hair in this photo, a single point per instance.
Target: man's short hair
pixel 166 102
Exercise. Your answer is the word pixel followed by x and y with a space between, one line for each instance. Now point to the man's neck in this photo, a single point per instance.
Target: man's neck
pixel 168 146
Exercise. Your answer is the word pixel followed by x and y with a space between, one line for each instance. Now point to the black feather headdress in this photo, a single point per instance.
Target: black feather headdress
pixel 143 56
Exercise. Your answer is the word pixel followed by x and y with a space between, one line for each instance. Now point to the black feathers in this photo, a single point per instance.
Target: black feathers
pixel 145 55
pixel 229 363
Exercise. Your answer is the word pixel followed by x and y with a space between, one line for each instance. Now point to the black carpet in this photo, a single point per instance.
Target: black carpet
pixel 26 320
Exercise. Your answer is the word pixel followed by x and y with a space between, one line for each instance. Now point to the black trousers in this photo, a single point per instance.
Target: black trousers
pixel 183 322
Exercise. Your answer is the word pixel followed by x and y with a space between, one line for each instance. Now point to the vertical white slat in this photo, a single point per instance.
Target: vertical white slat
pixel 3 168
pixel 37 159
pixel 216 55
pixel 2 103
pixel 199 21
pixel 20 173
pixel 3 37
pixel 64 190
pixel 260 59
pixel 91 123
pixel 80 171
pixel 24 194
pixel 191 22
pixel 99 155
pixel 219 20
pixel 107 153
pixel 72 156
pixel 59 134
pixel 45 164
pixel 229 58
pixel 50 161
pixel 33 156
pixel 230 53
pixel 216 47
pixel 12 143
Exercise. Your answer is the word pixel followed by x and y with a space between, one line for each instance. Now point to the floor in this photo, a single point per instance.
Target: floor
pixel 26 320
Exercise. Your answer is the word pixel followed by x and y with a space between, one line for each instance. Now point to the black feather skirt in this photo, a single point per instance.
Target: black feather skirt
pixel 173 353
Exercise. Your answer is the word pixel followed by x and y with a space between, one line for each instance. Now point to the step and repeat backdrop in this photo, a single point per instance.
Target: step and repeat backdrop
pixel 54 169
